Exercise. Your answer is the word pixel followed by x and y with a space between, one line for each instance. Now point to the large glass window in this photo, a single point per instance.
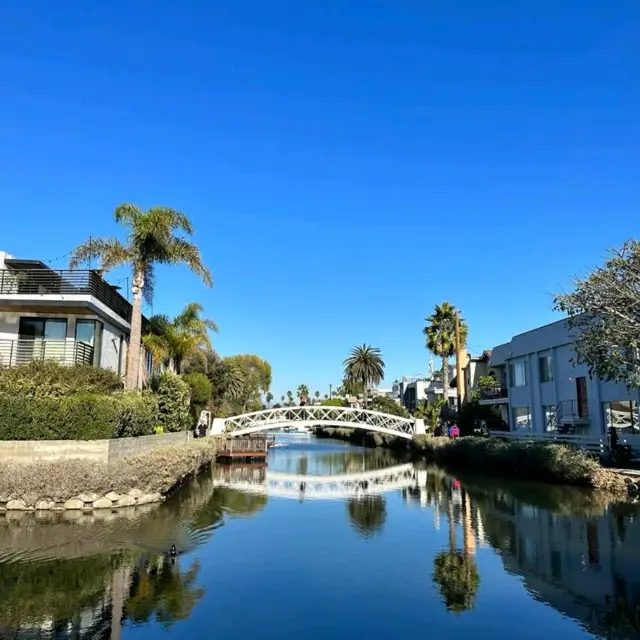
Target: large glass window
pixel 545 366
pixel 518 374
pixel 90 332
pixel 623 415
pixel 521 419
pixel 550 421
pixel 40 338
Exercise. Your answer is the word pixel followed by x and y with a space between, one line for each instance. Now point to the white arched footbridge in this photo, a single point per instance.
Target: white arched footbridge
pixel 319 416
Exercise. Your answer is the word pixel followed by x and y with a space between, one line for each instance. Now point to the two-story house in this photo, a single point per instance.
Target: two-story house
pixel 68 316
pixel 546 391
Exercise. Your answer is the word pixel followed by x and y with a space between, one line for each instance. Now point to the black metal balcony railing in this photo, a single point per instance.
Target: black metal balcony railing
pixel 494 393
pixel 65 282
pixel 16 352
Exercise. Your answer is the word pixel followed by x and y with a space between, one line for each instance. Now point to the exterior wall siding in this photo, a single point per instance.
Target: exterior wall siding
pixel 555 340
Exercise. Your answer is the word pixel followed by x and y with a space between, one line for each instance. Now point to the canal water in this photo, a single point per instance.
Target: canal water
pixel 329 541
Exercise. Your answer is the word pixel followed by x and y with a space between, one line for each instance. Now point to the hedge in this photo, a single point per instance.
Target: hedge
pixel 174 400
pixel 86 416
pixel 49 379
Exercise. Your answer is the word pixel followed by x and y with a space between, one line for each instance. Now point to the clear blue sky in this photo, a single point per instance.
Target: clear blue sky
pixel 347 165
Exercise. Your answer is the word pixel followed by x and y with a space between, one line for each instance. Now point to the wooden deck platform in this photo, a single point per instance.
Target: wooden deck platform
pixel 246 448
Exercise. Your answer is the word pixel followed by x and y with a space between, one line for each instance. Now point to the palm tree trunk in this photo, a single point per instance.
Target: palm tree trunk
pixel 364 393
pixel 452 524
pixel 445 379
pixel 133 354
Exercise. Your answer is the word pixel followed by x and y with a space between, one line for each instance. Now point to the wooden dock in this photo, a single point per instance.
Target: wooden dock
pixel 245 448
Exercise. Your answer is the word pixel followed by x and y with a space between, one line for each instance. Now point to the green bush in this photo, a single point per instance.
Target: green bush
pixel 174 399
pixel 333 402
pixel 78 417
pixel 384 404
pixel 48 379
pixel 201 392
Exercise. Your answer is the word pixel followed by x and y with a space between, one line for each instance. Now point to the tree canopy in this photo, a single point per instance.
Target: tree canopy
pixel 604 316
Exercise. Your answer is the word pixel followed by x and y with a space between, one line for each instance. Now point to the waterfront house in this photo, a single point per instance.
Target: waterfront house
pixel 73 317
pixel 539 389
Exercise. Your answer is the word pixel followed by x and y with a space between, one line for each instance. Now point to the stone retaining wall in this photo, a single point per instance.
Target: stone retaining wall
pixel 98 450
pixel 87 502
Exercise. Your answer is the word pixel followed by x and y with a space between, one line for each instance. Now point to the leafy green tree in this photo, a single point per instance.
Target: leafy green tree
pixel 440 333
pixel 385 404
pixel 159 235
pixel 333 402
pixel 367 515
pixel 365 365
pixel 604 316
pixel 201 392
pixel 256 379
pixel 177 339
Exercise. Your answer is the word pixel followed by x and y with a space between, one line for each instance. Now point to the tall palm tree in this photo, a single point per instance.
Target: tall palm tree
pixel 290 398
pixel 302 392
pixel 440 333
pixel 365 365
pixel 269 398
pixel 317 395
pixel 234 382
pixel 174 340
pixel 159 235
pixel 282 398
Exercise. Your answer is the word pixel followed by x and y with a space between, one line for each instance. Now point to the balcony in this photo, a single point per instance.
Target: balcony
pixel 494 395
pixel 47 281
pixel 16 352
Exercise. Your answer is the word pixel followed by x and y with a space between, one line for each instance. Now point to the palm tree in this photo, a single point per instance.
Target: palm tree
pixel 326 396
pixel 181 337
pixel 317 395
pixel 290 397
pixel 269 398
pixel 440 333
pixel 367 515
pixel 364 365
pixel 282 399
pixel 234 382
pixel 159 235
pixel 302 392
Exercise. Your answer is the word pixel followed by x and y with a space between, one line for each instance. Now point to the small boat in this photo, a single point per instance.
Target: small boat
pixel 273 445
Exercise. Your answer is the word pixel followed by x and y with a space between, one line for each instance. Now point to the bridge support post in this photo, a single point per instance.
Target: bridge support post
pixel 217 427
pixel 419 427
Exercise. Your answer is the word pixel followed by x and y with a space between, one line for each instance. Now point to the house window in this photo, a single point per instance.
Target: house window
pixel 550 420
pixel 90 332
pixel 521 419
pixel 623 415
pixel 41 338
pixel 518 374
pixel 545 367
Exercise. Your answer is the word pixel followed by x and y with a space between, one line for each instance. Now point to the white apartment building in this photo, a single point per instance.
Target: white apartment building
pixel 68 316
pixel 540 389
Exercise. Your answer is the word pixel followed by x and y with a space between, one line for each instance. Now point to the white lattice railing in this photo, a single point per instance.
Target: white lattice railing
pixel 320 416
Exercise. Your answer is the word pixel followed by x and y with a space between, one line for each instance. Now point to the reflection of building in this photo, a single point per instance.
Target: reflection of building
pixel 546 391
pixel 575 563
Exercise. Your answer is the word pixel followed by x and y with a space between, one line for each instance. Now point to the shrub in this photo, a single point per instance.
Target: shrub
pixel 83 416
pixel 174 399
pixel 47 378
pixel 201 392
pixel 385 404
pixel 333 402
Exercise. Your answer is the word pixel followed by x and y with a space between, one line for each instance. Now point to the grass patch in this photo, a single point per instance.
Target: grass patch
pixel 156 471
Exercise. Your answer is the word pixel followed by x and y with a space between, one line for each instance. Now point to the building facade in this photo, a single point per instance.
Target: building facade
pixel 544 390
pixel 73 317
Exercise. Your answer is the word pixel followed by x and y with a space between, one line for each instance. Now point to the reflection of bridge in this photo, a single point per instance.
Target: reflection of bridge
pixel 289 485
pixel 318 416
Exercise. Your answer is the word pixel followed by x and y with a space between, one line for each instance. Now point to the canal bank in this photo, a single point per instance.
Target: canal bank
pixel 542 462
pixel 85 485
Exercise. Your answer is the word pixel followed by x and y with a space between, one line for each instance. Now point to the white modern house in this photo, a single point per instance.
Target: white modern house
pixel 416 390
pixel 68 316
pixel 540 389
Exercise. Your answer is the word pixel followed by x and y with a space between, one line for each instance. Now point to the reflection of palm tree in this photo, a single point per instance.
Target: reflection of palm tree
pixel 367 515
pixel 455 571
pixel 161 589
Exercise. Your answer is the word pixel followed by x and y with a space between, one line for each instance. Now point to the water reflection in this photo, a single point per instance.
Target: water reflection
pixel 83 576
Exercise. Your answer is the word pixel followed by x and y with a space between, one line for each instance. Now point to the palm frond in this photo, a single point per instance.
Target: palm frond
pixel 127 214
pixel 161 218
pixel 110 253
pixel 182 251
